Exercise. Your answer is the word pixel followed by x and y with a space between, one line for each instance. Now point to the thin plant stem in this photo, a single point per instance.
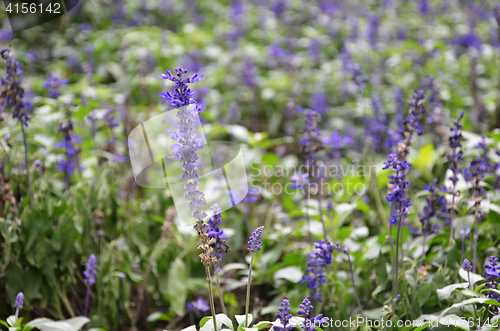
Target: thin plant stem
pixel 476 235
pixel 308 220
pixel 463 247
pixel 353 282
pixel 468 277
pixel 247 305
pixel 25 142
pixel 211 295
pixel 396 266
pixel 87 299
pixel 320 208
pixel 221 299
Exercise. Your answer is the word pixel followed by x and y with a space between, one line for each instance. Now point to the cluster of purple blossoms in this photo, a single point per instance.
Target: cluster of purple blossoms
pixel 455 143
pixel 412 122
pixel 467 265
pixel 373 23
pixel 492 273
pixel 182 93
pixel 215 233
pixel 435 207
pixel 468 40
pixel 187 145
pixel 53 83
pixel 338 143
pixel 317 262
pixel 398 189
pixel 300 180
pixel 69 163
pixel 284 317
pixel 377 127
pixel 12 93
pixel 354 69
pixel 319 103
pixel 90 272
pixel 19 301
pixel 311 142
pixel 199 306
pixel 255 242
pixel 423 6
pixel 490 166
pixel 309 323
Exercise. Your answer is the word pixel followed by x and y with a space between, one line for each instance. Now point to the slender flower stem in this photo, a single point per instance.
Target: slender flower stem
pixel 320 207
pixel 25 142
pixel 221 298
pixel 87 301
pixel 397 266
pixel 308 220
pixel 247 305
pixel 354 283
pixel 476 236
pixel 211 295
pixel 463 247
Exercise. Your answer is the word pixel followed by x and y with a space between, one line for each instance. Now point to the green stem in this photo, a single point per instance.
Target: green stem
pixel 221 299
pixel 248 290
pixel 211 296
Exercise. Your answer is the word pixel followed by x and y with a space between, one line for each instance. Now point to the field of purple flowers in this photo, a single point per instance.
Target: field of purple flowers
pixel 367 191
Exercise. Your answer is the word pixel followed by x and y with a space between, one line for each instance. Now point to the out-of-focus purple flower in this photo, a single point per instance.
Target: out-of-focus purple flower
pixel 402 33
pixel 19 301
pixel 300 180
pixel 199 306
pixel 467 265
pixel 53 83
pixel 279 7
pixel 90 272
pixel 110 119
pixel 284 316
pixel 255 242
pixel 311 141
pixel 468 40
pixel 317 262
pixel 252 195
pixel 320 103
pixel 398 188
pixel 423 6
pixel 373 23
pixel 435 207
pixel 12 93
pixel 354 69
pixel 338 143
pixel 309 323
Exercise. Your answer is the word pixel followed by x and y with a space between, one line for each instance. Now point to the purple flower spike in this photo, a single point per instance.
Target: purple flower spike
pixel 310 324
pixel 19 301
pixel 255 243
pixel 90 272
pixel 182 93
pixel 467 265
pixel 284 316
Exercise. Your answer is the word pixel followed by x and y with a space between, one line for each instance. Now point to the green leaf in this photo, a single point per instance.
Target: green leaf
pixel 241 319
pixel 175 287
pixel 445 292
pixel 474 278
pixel 470 302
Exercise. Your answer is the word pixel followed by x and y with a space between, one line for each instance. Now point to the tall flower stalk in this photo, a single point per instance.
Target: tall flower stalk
pixel 454 158
pixel 90 275
pixel 399 184
pixel 475 174
pixel 19 303
pixel 185 151
pixel 11 96
pixel 254 245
